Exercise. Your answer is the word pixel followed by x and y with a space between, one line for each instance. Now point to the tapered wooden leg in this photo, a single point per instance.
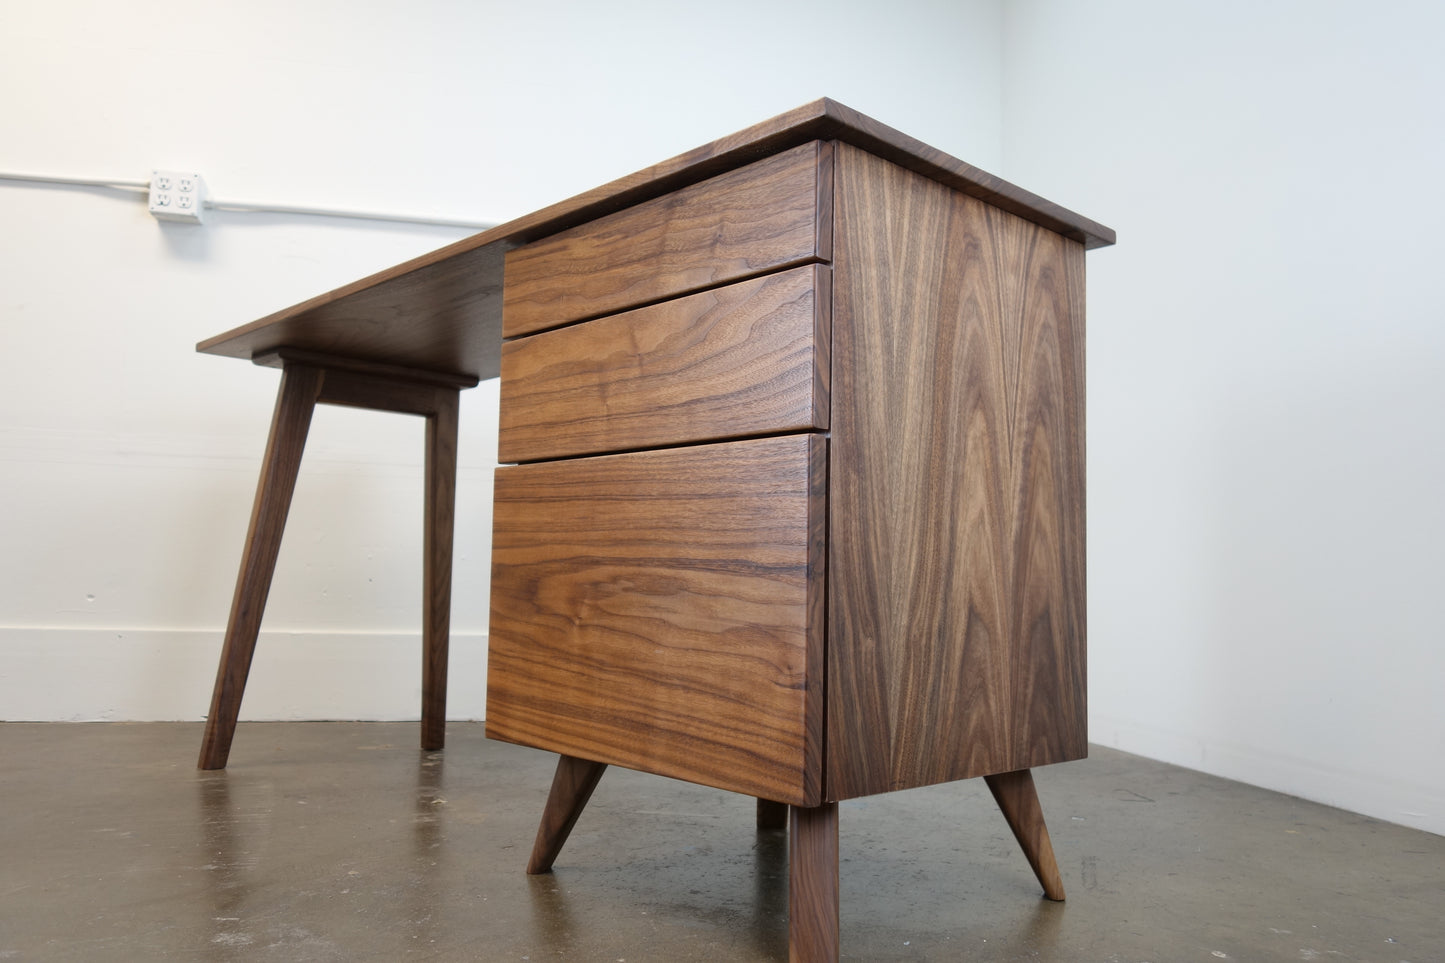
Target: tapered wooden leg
pixel 441 497
pixel 572 786
pixel 295 402
pixel 772 816
pixel 813 884
pixel 1015 794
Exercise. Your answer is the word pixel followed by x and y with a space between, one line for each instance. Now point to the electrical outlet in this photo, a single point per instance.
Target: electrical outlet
pixel 177 196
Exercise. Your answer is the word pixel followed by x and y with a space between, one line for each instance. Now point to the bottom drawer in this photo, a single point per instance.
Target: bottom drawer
pixel 663 611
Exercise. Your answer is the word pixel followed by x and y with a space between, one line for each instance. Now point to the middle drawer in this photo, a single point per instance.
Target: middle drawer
pixel 745 359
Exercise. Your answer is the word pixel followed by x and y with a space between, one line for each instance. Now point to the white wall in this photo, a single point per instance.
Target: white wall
pixel 1265 346
pixel 127 462
pixel 1266 379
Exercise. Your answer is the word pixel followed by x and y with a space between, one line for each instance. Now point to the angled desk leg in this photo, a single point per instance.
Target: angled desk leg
pixel 1016 796
pixel 309 379
pixel 812 856
pixel 296 400
pixel 572 786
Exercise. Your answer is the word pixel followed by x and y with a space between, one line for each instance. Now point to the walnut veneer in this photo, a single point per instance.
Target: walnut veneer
pixel 794 494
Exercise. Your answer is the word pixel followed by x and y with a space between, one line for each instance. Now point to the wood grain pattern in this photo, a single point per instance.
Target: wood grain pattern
pixel 755 219
pixel 572 786
pixel 822 119
pixel 1018 800
pixel 956 596
pixel 436 398
pixel 746 359
pixel 308 379
pixel 813 884
pixel 282 356
pixel 295 403
pixel 660 611
pixel 443 310
pixel 438 526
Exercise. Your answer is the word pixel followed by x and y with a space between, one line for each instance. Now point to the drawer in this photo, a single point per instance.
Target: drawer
pixel 662 611
pixel 768 215
pixel 746 359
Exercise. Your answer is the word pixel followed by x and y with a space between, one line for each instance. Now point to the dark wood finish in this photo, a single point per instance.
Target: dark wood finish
pixel 442 310
pixel 308 379
pixel 441 313
pixel 353 390
pixel 658 610
pixel 749 358
pixel 772 816
pixel 436 397
pixel 1019 800
pixel 822 119
pixel 280 357
pixel 572 786
pixel 956 497
pixel 740 224
pixel 438 527
pixel 813 884
pixel 665 609
pixel 295 401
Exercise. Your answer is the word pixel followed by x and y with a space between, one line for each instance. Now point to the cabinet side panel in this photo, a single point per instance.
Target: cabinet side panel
pixel 956 532
pixel 652 610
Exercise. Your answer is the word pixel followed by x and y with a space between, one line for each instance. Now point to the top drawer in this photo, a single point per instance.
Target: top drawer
pixel 774 213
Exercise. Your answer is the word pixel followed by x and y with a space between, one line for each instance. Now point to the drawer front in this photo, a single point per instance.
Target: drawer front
pixel 746 222
pixel 746 359
pixel 663 611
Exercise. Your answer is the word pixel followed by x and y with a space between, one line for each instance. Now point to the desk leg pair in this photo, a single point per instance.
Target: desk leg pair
pixel 304 384
pixel 812 847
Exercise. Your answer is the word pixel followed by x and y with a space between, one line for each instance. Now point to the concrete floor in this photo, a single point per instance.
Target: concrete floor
pixel 341 841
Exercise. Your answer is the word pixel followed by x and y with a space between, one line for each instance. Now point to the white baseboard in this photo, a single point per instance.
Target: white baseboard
pixel 146 675
pixel 1381 795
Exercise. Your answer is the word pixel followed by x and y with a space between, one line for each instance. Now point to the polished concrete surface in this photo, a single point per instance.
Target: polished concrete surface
pixel 342 841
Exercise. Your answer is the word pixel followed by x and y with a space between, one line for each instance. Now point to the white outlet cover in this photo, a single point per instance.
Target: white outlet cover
pixel 178 196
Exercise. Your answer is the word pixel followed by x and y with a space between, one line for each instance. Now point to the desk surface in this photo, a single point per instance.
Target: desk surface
pixel 443 311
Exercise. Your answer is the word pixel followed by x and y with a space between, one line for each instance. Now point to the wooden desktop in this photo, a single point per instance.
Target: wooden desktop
pixel 792 502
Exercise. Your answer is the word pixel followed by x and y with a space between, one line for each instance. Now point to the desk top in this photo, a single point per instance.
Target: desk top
pixel 443 311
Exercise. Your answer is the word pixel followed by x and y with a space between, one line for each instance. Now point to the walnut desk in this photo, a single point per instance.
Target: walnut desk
pixel 793 496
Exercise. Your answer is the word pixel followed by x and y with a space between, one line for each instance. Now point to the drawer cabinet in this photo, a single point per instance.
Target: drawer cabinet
pixel 845 553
